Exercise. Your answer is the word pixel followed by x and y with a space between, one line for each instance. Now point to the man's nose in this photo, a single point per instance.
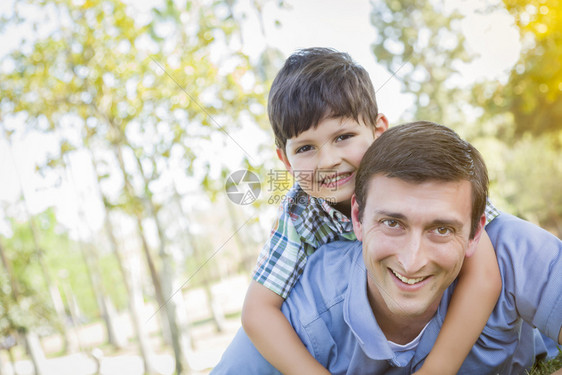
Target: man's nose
pixel 413 255
pixel 328 157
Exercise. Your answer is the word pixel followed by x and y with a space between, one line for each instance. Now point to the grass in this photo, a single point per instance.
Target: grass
pixel 547 367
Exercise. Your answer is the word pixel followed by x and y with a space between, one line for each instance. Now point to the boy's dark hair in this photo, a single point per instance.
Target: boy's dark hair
pixel 319 83
pixel 423 151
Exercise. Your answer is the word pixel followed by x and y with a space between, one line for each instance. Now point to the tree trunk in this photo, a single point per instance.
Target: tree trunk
pixel 167 312
pixel 53 291
pixel 165 308
pixel 91 261
pixel 35 352
pixel 247 256
pixel 135 301
pixel 32 343
pixel 180 337
pixel 216 313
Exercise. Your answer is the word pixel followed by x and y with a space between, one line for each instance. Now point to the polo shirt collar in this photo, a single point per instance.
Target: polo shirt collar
pixel 359 316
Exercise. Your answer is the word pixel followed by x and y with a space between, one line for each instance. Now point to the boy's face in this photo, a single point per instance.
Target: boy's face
pixel 324 160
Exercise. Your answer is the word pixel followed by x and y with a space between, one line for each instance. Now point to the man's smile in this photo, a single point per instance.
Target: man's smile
pixel 407 280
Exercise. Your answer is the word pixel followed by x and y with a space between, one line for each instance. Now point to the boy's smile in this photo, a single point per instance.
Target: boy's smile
pixel 324 159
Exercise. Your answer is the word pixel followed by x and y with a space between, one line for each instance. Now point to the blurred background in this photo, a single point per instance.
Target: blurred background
pixel 121 122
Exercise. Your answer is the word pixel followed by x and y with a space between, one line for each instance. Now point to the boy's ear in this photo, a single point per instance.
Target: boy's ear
pixel 355 220
pixel 473 243
pixel 281 155
pixel 381 125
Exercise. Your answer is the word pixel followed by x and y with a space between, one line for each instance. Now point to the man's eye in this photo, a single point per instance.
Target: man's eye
pixel 391 223
pixel 302 149
pixel 443 231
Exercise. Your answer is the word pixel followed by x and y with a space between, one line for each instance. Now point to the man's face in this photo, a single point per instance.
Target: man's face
pixel 415 237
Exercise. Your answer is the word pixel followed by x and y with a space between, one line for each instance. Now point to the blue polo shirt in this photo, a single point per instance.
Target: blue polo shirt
pixel 330 312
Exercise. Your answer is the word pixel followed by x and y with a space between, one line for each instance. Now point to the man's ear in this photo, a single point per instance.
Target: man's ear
pixel 283 157
pixel 356 221
pixel 473 243
pixel 381 125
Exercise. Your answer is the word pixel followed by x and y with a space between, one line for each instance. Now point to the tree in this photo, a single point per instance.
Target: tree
pixel 533 93
pixel 421 44
pixel 23 308
pixel 529 108
pixel 515 124
pixel 137 92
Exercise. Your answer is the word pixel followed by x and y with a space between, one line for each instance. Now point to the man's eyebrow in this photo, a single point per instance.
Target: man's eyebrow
pixel 396 215
pixel 448 222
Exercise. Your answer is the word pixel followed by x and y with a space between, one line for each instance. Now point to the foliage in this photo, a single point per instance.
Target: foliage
pixel 533 93
pixel 29 311
pixel 151 99
pixel 421 43
pixel 24 301
pixel 530 181
pixel 65 263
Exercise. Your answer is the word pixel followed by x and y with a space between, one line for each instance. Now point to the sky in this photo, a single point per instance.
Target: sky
pixel 329 23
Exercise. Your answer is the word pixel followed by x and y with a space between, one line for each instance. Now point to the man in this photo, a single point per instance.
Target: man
pixel 418 212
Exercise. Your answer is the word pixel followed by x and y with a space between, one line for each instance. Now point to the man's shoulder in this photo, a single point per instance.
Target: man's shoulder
pixel 332 260
pixel 521 229
pixel 522 249
pixel 325 279
pixel 519 240
pixel 530 263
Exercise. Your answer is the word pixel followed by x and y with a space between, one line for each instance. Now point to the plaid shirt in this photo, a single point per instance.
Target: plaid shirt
pixel 304 223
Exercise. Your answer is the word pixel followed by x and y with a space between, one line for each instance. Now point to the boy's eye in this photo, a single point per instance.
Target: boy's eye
pixel 343 137
pixel 303 149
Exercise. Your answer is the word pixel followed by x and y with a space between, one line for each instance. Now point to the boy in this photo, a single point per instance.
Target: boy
pixel 324 115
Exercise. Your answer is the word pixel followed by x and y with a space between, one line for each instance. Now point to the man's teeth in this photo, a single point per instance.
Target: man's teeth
pixel 407 280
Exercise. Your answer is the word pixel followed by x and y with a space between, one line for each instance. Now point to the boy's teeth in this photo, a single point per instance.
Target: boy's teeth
pixel 407 280
pixel 335 179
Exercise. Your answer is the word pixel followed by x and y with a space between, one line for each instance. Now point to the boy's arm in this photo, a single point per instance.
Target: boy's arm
pixel 477 291
pixel 273 335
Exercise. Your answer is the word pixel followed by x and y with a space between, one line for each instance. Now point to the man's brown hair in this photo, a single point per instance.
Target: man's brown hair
pixel 423 151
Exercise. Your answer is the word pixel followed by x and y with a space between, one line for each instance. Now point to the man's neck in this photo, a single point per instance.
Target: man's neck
pixel 398 328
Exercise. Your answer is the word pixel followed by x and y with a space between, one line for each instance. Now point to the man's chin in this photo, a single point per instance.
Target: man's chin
pixel 412 309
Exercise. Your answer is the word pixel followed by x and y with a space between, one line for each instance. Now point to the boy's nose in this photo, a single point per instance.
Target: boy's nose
pixel 328 158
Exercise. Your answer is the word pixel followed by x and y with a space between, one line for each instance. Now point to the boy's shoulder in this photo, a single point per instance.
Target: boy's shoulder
pixel 313 219
pixel 296 202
